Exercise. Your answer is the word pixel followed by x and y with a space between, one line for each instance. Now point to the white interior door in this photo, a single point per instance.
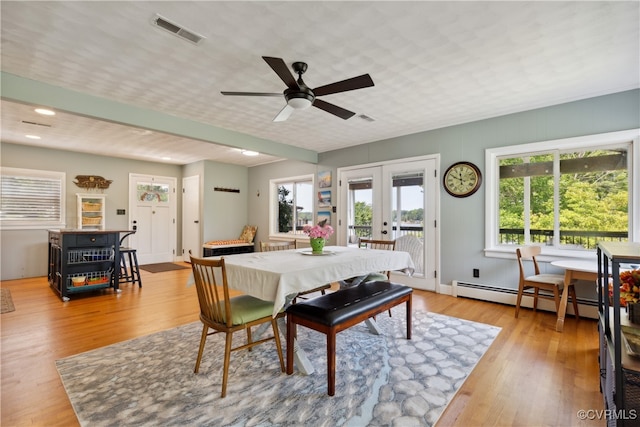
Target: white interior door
pixel 191 227
pixel 152 213
pixel 391 201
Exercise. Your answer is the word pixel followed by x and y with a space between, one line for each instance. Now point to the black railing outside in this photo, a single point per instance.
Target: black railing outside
pixel 364 231
pixel 583 239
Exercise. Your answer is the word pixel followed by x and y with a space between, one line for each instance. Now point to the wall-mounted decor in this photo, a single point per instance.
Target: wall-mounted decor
pixel 227 190
pixel 324 179
pixel 462 179
pixel 324 198
pixel 322 215
pixel 153 192
pixel 91 182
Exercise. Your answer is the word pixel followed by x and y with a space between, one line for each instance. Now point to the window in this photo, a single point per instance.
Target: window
pixel 32 199
pixel 565 195
pixel 292 205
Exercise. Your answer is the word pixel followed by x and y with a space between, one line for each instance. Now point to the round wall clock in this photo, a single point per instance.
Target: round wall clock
pixel 462 179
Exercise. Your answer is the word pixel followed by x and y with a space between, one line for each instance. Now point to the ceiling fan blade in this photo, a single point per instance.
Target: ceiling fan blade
pixel 345 85
pixel 283 114
pixel 250 94
pixel 333 109
pixel 281 69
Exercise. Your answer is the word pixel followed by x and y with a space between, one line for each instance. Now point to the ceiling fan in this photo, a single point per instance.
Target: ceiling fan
pixel 299 96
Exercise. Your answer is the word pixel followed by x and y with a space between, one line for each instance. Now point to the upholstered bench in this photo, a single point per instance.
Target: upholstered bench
pixel 337 311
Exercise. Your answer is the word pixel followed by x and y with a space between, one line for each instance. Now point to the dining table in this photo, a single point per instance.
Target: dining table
pixel 279 276
pixel 574 269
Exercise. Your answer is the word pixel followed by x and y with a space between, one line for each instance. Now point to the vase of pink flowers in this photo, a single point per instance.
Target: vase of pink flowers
pixel 318 235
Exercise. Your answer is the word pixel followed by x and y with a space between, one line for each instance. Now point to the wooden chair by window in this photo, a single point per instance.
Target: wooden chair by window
pixel 550 283
pixel 283 246
pixel 221 313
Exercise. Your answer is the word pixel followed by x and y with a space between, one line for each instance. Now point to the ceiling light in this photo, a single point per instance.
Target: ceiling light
pixel 250 153
pixel 166 158
pixel 45 112
pixel 299 100
pixel 32 136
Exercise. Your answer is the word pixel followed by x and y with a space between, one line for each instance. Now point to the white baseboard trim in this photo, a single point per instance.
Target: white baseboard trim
pixel 477 291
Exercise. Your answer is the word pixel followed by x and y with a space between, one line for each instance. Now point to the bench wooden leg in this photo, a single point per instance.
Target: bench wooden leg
pixel 409 318
pixel 331 362
pixel 291 337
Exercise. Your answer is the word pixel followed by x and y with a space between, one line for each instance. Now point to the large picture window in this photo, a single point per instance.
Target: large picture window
pixel 565 195
pixel 31 199
pixel 292 205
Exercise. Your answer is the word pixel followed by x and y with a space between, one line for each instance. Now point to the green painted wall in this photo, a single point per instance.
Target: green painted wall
pixel 463 220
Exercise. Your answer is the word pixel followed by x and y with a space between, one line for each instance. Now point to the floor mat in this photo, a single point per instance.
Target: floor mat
pixel 162 266
pixel 6 303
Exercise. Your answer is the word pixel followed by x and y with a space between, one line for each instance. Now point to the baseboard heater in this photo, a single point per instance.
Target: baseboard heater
pixel 588 308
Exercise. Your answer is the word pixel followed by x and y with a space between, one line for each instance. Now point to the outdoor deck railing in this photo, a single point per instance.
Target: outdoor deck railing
pixel 583 239
pixel 515 236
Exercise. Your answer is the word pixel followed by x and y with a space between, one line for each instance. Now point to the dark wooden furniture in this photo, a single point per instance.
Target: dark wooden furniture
pixel 92 254
pixel 221 250
pixel 340 310
pixel 129 268
pixel 620 372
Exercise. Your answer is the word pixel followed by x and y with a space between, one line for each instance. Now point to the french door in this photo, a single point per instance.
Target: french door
pixel 394 201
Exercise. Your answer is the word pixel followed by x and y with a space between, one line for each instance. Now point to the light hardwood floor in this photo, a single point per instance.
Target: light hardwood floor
pixel 530 376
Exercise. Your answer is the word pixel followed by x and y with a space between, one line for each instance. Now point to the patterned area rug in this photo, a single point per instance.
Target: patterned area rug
pixel 6 302
pixel 380 379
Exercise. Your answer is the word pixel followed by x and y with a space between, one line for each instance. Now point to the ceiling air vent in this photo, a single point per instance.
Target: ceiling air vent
pixel 366 118
pixel 162 22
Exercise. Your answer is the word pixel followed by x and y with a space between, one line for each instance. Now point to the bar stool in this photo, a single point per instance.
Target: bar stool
pixel 129 269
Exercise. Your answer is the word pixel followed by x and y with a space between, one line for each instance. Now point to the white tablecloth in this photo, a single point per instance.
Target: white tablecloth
pixel 272 276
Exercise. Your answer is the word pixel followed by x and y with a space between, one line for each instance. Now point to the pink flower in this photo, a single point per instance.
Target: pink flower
pixel 318 231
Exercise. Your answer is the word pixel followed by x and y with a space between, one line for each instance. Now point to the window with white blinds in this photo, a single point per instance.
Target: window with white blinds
pixel 31 199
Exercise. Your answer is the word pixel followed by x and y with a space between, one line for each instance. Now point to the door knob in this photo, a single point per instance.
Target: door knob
pixel 384 232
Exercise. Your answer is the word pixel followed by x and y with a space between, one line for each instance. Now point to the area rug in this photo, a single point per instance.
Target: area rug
pixel 162 267
pixel 380 379
pixel 6 302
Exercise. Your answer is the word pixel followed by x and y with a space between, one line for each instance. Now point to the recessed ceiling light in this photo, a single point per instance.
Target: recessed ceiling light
pixel 33 136
pixel 45 112
pixel 250 153
pixel 166 158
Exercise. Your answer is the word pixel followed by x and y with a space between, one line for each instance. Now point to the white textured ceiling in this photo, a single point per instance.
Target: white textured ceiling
pixel 434 64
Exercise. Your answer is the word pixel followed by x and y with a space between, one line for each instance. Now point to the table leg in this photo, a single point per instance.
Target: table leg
pixel 373 326
pixel 299 356
pixel 562 311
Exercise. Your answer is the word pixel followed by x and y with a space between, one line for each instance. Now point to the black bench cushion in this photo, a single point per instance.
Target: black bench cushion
pixel 337 307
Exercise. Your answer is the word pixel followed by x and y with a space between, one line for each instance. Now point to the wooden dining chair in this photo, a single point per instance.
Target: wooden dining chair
pixel 223 314
pixel 286 245
pixel 278 246
pixel 550 284
pixel 385 245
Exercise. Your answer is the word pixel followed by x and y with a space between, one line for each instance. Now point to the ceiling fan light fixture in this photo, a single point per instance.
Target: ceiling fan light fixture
pixel 299 100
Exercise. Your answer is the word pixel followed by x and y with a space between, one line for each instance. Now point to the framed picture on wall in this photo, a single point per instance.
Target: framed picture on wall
pixel 322 215
pixel 324 179
pixel 324 198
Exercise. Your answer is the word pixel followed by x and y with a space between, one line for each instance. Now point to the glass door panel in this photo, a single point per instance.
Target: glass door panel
pixel 398 202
